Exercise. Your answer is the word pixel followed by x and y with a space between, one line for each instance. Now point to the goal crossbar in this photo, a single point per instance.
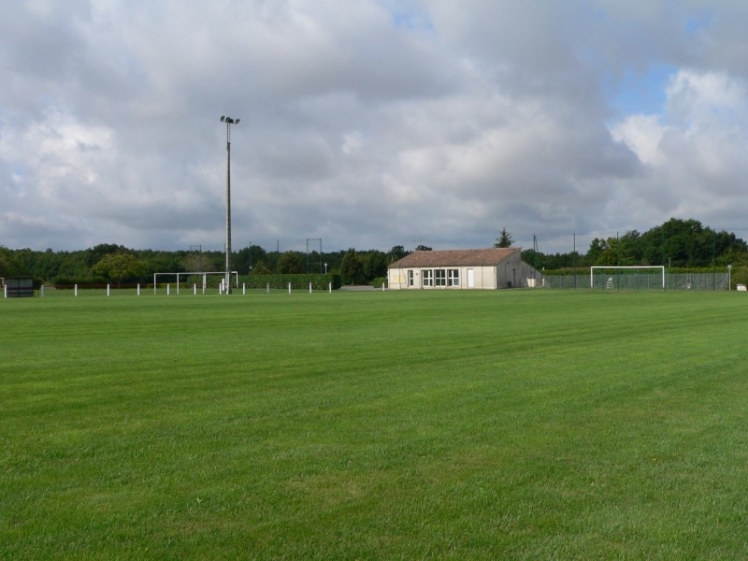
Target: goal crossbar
pixel 615 267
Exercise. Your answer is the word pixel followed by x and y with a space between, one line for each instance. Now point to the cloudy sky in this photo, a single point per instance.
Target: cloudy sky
pixel 369 123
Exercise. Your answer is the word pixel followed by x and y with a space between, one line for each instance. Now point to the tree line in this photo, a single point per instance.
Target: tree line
pixel 676 243
pixel 111 263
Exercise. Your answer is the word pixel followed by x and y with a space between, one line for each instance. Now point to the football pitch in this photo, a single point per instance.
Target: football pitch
pixel 375 425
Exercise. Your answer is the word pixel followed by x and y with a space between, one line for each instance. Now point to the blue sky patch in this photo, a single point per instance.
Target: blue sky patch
pixel 406 16
pixel 695 24
pixel 640 93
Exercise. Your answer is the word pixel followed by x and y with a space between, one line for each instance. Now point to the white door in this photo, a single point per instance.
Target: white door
pixel 471 278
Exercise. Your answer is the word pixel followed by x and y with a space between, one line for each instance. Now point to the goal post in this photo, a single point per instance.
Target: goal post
pixel 203 274
pixel 660 268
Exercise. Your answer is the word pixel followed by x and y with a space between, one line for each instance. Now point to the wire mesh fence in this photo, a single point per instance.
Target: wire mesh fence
pixel 640 281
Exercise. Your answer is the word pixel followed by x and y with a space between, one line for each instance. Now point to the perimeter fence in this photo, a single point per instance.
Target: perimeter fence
pixel 640 281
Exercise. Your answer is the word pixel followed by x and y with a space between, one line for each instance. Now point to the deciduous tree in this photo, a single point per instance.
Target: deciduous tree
pixel 289 263
pixel 119 266
pixel 198 263
pixel 352 269
pixel 397 252
pixel 375 265
pixel 4 267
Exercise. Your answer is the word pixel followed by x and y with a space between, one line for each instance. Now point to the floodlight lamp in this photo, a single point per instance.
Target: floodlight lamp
pixel 237 121
pixel 223 118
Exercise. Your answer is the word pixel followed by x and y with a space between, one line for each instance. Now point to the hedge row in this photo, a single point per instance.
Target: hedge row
pixel 70 282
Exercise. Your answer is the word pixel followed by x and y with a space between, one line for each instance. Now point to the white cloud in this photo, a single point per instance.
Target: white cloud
pixel 369 124
pixel 695 153
pixel 642 134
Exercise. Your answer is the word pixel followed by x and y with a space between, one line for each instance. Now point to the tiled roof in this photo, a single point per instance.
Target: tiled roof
pixel 455 258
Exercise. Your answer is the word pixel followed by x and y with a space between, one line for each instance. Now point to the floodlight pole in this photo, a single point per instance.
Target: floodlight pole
pixel 229 121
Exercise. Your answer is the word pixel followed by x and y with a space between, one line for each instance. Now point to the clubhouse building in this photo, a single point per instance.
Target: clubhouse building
pixel 461 269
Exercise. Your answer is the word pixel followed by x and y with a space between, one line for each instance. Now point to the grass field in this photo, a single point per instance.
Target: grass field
pixel 397 425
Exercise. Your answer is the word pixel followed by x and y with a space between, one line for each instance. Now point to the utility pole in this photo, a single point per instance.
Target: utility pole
pixel 229 121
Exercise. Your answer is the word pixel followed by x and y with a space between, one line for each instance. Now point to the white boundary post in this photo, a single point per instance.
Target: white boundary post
pixel 138 292
pixel 244 288
pixel 42 291
pixel 267 289
pixel 194 288
pixel 310 288
pixel 289 288
pixel 329 287
pixel 107 289
pixel 76 291
pixel 168 289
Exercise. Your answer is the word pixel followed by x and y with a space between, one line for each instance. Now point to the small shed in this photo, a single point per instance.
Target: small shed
pixel 18 287
pixel 487 269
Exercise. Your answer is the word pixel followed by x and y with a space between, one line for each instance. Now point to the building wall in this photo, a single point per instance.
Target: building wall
pixel 515 273
pixel 396 279
pixel 530 277
pixel 483 278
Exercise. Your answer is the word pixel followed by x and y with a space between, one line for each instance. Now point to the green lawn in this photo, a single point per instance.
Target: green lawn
pixel 397 425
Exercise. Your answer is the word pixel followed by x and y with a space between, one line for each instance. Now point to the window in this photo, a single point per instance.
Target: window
pixel 410 277
pixel 440 277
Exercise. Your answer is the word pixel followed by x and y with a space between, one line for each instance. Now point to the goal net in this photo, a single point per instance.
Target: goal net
pixel 628 277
